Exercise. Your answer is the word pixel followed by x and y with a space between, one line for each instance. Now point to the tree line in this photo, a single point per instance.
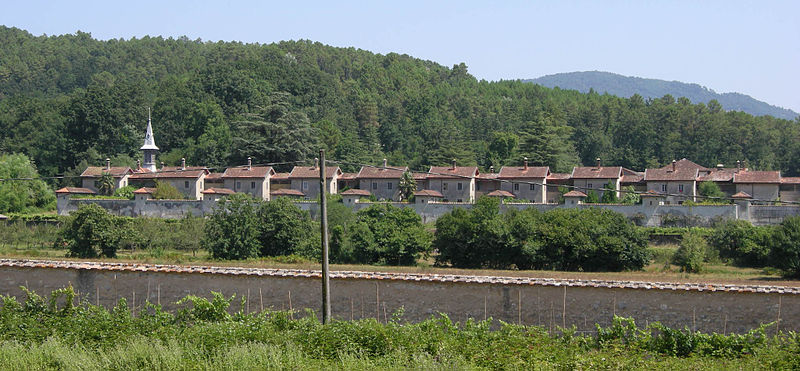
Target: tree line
pixel 215 103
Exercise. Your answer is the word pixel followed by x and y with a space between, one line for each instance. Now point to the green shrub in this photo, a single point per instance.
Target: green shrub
pixel 591 197
pixel 742 243
pixel 166 191
pixel 91 232
pixel 231 232
pixel 691 253
pixel 786 247
pixel 125 192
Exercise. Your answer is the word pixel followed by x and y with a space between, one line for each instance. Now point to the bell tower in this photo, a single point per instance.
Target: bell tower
pixel 149 148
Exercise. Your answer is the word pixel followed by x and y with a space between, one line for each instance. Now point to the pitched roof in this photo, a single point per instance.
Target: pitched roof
pixel 742 194
pixel 303 172
pixel 667 174
pixel 248 172
pixel 651 193
pixel 448 172
pixel 214 177
pixel 76 190
pixel 790 180
pixel 144 191
pixel 717 175
pixel 574 194
pixel 428 193
pixel 630 176
pixel 500 193
pixel 749 176
pixel 356 192
pixel 388 172
pixel 559 178
pixel 218 191
pixel 686 164
pixel 348 176
pixel 594 172
pixel 280 176
pixel 115 171
pixel 420 176
pixel 507 172
pixel 287 192
pixel 169 172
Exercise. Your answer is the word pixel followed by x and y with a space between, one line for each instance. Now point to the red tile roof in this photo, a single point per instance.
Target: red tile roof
pixel 348 176
pixel 115 171
pixel 742 194
pixel 218 191
pixel 508 172
pixel 76 190
pixel 488 176
pixel 666 174
pixel 717 175
pixel 304 172
pixel 749 176
pixel 390 172
pixel 574 194
pixel 144 191
pixel 356 192
pixel 428 193
pixel 630 177
pixel 280 176
pixel 245 172
pixel 593 172
pixel 686 164
pixel 500 193
pixel 168 172
pixel 420 176
pixel 214 177
pixel 790 180
pixel 447 172
pixel 287 192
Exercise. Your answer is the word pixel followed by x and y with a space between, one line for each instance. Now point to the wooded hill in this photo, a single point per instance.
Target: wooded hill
pixel 70 100
pixel 626 86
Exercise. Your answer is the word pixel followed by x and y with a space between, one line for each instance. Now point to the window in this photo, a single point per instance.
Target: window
pixel 238 185
pixel 533 187
pixel 479 186
pixel 663 188
pixel 252 185
pixel 374 185
pixel 516 186
pixel 186 184
pixel 444 186
pixel 460 186
pixel 680 188
pixel 459 200
pixel 305 185
pixel 389 185
pixel 589 186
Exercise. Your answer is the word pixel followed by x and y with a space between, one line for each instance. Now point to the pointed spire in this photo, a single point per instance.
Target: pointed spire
pixel 149 140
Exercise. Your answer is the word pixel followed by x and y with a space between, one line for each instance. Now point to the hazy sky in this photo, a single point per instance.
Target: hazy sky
pixel 749 47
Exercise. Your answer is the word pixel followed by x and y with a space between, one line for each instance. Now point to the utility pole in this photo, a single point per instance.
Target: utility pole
pixel 323 206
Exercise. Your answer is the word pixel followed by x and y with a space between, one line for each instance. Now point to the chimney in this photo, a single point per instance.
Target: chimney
pixel 385 164
pixel 183 163
pixel 162 166
pixel 108 164
pixel 738 165
pixel 525 163
pixel 720 167
pixel 249 163
pixel 454 164
pixel 138 164
pixel 673 165
pixel 491 169
pixel 316 163
pixel 598 162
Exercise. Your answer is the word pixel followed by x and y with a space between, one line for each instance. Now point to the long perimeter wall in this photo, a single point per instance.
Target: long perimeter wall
pixel 530 301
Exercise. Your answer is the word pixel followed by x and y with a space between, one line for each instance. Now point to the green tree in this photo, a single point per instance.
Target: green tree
pixel 166 191
pixel 741 242
pixel 91 232
pixel 285 229
pixel 629 196
pixel 786 247
pixel 125 192
pixel 105 185
pixel 407 186
pixel 501 148
pixel 389 235
pixel 711 193
pixel 691 253
pixel 20 190
pixel 609 194
pixel 591 197
pixel 232 231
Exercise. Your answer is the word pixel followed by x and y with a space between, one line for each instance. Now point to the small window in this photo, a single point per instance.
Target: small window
pixel 444 186
pixel 459 200
pixel 533 187
pixel 680 188
pixel 590 185
pixel 252 185
pixel 460 186
pixel 479 186
pixel 389 185
pixel 186 184
pixel 663 188
pixel 516 186
pixel 238 185
pixel 374 185
pixel 305 185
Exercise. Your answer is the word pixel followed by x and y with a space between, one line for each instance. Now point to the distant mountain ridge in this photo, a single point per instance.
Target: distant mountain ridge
pixel 626 86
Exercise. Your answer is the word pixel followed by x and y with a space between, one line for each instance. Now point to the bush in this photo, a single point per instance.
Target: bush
pixel 285 229
pixel 591 197
pixel 231 232
pixel 742 243
pixel 24 195
pixel 91 232
pixel 609 194
pixel 691 253
pixel 786 247
pixel 166 191
pixel 385 234
pixel 125 192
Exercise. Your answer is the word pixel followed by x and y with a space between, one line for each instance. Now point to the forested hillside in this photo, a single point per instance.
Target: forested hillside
pixel 68 101
pixel 626 86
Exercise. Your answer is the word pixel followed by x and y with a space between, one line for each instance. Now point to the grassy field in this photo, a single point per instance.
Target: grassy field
pixel 658 270
pixel 55 333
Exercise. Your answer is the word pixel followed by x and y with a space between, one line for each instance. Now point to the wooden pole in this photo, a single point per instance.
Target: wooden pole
pixel 778 321
pixel 261 298
pixel 323 202
pixel 564 310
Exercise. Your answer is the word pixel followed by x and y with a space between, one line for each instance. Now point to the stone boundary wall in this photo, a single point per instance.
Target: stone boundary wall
pixel 772 214
pixel 532 301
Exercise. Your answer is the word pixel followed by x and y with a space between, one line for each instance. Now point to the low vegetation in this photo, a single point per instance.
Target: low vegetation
pixel 61 332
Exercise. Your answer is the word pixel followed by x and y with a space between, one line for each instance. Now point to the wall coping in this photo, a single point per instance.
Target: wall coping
pixel 447 278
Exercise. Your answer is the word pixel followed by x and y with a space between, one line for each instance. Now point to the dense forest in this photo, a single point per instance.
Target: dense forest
pixel 68 101
pixel 626 86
